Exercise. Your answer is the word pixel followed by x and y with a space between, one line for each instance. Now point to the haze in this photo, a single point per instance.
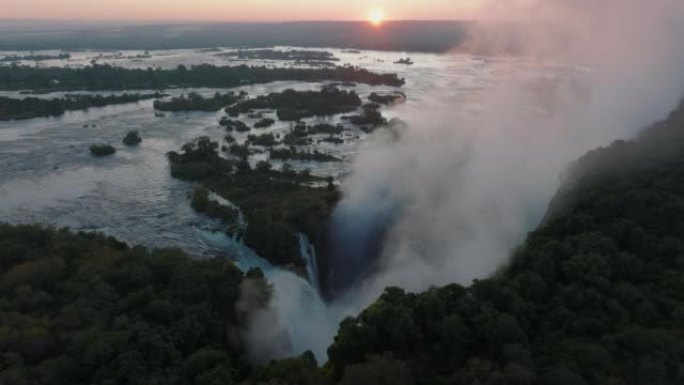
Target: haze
pixel 232 10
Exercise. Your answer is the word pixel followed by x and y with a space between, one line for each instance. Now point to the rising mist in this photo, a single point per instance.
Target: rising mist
pixel 446 197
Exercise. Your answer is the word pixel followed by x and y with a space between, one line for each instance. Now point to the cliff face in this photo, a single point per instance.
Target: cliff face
pixel 594 295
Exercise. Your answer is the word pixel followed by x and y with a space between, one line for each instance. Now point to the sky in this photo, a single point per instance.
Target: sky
pixel 235 10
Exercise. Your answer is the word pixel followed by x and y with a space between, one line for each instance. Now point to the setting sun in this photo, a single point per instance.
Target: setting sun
pixel 376 16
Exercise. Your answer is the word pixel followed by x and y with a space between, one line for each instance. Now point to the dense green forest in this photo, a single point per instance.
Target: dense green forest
pixel 106 77
pixel 27 108
pixel 86 309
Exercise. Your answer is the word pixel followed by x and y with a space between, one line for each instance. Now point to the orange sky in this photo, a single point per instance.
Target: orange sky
pixel 234 10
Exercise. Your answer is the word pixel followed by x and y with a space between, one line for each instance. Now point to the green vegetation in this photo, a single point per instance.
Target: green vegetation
pixel 106 77
pixel 264 123
pixel 195 102
pixel 102 149
pixel 369 119
pixel 282 55
pixel 594 296
pixel 234 125
pixel 87 309
pixel 276 204
pixel 294 105
pixel 333 140
pixel 27 108
pixel 387 99
pixel 201 202
pixel 298 135
pixel 132 139
pixel 406 61
pixel 16 58
pixel 293 154
pixel 262 140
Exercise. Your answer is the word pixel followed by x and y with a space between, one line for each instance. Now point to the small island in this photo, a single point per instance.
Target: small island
pixel 369 119
pixel 132 139
pixel 264 123
pixel 31 107
pixel 291 105
pixel 282 55
pixel 293 154
pixel 406 61
pixel 16 58
pixel 387 99
pixel 233 125
pixel 102 149
pixel 196 102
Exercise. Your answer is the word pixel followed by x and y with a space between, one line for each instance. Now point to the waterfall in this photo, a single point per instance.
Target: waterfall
pixel 310 323
pixel 308 253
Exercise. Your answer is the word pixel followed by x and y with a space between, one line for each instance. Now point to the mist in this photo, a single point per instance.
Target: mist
pixel 469 186
pixel 445 196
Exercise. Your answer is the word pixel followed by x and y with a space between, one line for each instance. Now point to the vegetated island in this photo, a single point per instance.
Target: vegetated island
pixel 196 102
pixel 277 204
pixel 282 55
pixel 406 61
pixel 291 105
pixel 369 119
pixel 106 77
pixel 27 108
pixel 132 138
pixel 387 99
pixel 17 58
pixel 102 149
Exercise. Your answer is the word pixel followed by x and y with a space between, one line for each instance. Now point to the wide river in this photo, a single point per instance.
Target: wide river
pixel 47 175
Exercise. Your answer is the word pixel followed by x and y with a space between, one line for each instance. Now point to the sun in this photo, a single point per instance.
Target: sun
pixel 376 16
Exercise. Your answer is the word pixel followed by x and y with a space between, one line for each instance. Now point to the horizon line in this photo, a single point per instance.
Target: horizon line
pixel 208 21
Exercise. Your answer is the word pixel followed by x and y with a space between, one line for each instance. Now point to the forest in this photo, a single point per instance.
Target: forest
pixel 87 309
pixel 106 77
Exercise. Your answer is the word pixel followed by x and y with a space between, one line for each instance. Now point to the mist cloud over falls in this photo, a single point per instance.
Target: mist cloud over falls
pixel 456 190
pixel 446 196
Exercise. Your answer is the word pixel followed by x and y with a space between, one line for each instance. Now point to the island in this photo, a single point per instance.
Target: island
pixel 196 102
pixel 291 105
pixel 132 139
pixel 282 55
pixel 107 77
pixel 35 57
pixel 102 149
pixel 406 61
pixel 31 107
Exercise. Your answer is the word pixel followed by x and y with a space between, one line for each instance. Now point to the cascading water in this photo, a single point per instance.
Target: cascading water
pixel 309 322
pixel 308 253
